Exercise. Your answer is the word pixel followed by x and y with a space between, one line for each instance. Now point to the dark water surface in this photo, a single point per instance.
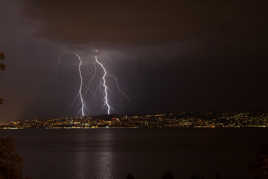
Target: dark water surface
pixel 147 153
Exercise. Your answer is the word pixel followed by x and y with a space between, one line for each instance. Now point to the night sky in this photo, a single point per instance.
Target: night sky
pixel 167 56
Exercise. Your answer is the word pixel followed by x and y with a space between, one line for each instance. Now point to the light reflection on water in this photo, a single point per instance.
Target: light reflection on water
pixel 81 159
pixel 104 162
pixel 146 153
pixel 101 160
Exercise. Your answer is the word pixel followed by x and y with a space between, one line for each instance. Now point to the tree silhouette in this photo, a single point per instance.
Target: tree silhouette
pixel 2 68
pixel 198 177
pixel 168 175
pixel 218 175
pixel 2 65
pixel 130 176
pixel 260 167
pixel 10 162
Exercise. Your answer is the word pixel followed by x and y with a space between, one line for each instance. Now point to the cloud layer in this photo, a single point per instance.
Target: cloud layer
pixel 114 21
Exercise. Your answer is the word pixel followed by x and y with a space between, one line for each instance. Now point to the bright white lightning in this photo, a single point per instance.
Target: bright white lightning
pixel 81 85
pixel 106 101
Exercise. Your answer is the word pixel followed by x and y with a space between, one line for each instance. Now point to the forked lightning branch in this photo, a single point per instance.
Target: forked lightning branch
pixel 82 81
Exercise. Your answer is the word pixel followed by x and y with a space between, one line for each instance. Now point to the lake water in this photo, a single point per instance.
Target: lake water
pixel 146 153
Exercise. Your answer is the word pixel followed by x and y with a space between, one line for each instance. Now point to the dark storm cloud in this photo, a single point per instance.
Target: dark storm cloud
pixel 183 55
pixel 142 21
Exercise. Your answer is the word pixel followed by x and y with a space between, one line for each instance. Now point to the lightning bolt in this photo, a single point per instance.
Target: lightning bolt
pixel 106 101
pixel 118 87
pixel 85 67
pixel 81 84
